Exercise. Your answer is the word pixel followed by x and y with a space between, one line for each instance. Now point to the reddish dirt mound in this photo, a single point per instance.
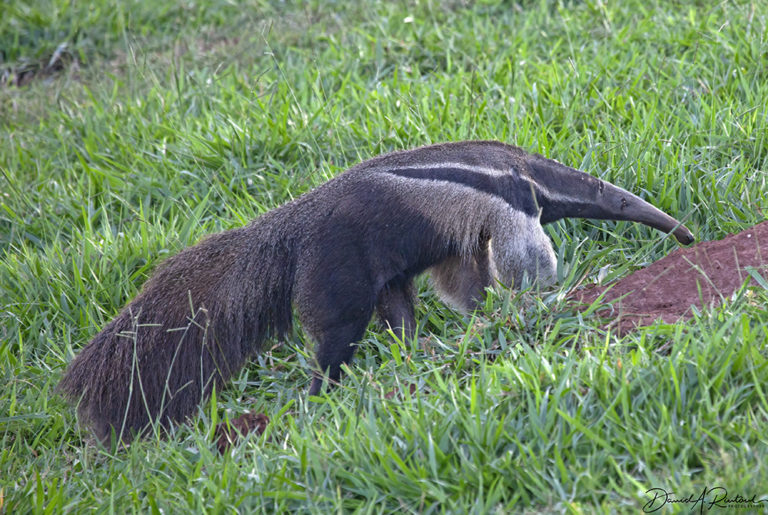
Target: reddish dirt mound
pixel 706 273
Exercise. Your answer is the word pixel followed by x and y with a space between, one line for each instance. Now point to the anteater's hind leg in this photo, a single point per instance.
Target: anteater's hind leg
pixel 395 308
pixel 335 310
pixel 335 346
pixel 336 328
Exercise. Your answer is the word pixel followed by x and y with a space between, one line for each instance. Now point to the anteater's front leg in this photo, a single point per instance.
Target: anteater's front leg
pixel 461 280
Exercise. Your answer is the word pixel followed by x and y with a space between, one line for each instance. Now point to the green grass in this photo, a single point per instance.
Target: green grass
pixel 167 124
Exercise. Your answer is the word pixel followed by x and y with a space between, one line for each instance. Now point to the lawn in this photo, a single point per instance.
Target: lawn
pixel 130 130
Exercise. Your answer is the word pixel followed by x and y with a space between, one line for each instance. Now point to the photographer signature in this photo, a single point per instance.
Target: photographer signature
pixel 716 497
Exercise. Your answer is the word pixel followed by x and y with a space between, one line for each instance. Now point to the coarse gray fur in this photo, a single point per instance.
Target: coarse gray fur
pixel 468 212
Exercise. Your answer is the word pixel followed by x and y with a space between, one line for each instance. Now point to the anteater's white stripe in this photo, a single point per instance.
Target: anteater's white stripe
pixel 496 172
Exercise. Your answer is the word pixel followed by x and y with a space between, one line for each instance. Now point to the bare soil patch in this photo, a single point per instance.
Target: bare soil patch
pixel 702 275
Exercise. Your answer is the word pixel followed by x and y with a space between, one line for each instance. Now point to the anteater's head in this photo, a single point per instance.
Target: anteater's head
pixel 563 192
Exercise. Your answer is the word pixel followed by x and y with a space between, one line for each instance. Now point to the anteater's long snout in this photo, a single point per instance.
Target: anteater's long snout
pixel 564 192
pixel 626 206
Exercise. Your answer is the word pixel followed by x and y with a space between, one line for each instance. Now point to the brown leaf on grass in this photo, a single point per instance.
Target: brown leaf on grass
pixel 228 435
pixel 392 393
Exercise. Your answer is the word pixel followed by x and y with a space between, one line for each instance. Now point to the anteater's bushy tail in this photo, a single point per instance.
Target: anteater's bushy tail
pixel 201 315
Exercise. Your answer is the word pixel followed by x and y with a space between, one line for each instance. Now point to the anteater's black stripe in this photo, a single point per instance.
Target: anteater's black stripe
pixel 509 187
